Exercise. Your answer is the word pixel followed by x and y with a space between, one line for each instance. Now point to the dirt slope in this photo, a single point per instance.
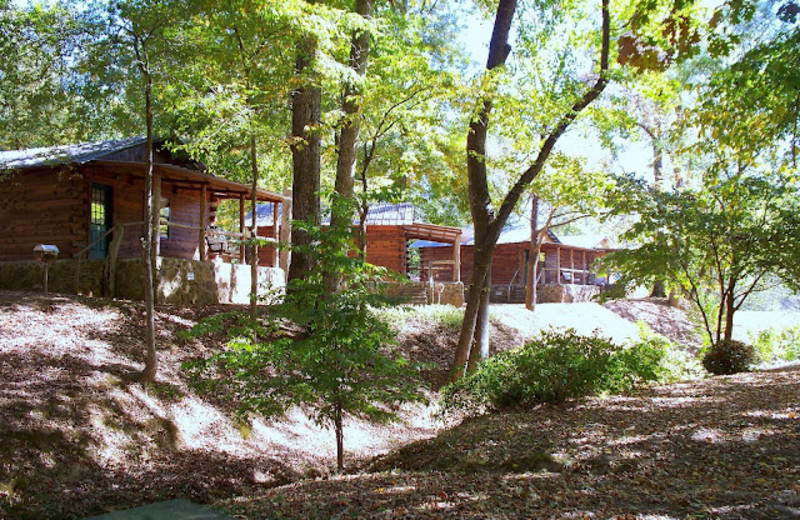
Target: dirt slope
pixel 76 439
pixel 724 448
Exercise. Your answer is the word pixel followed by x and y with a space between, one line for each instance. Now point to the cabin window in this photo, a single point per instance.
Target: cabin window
pixel 163 227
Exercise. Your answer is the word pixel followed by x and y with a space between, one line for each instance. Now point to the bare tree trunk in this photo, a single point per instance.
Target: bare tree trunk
pixel 339 428
pixel 533 259
pixel 148 373
pixel 730 308
pixel 659 290
pixel 480 202
pixel 348 135
pixel 351 106
pixel 487 224
pixel 254 232
pixel 306 160
pixel 480 343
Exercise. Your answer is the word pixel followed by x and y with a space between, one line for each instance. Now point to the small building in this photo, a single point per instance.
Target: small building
pixel 89 200
pixel 565 265
pixel 391 229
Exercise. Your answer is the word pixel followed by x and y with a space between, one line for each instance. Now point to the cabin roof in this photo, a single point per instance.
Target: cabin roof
pixel 105 154
pixel 379 214
pixel 510 235
pixel 65 154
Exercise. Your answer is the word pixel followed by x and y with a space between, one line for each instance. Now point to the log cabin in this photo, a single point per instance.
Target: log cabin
pixel 564 273
pixel 390 230
pixel 88 200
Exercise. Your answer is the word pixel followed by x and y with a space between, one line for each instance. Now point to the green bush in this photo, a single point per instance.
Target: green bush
pixel 554 367
pixel 773 346
pixel 729 357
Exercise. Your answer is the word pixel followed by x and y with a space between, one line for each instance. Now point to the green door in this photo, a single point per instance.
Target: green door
pixel 101 220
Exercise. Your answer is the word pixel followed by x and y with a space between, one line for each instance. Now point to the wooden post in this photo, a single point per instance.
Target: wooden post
pixel 558 265
pixel 285 237
pixel 241 229
pixel 275 234
pixel 203 219
pixel 572 266
pixel 585 275
pixel 457 259
pixel 110 267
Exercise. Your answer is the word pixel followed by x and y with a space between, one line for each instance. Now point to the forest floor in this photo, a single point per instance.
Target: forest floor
pixel 76 439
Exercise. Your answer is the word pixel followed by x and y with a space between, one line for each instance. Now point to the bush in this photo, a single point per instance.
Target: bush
pixel 778 346
pixel 554 367
pixel 729 357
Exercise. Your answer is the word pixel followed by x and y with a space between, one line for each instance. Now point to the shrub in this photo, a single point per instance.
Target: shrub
pixel 729 357
pixel 774 345
pixel 554 367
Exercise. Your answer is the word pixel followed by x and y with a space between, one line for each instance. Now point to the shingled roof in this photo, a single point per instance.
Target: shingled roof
pixel 65 154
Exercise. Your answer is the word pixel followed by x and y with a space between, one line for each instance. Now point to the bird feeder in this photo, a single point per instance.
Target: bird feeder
pixel 45 253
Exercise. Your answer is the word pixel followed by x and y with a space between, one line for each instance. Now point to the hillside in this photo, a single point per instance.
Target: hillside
pixel 77 439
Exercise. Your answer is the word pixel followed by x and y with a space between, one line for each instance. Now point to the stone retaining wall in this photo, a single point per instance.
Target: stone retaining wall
pixel 180 281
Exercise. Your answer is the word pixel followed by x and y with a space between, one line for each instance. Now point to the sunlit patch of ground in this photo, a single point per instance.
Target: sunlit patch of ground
pixel 731 452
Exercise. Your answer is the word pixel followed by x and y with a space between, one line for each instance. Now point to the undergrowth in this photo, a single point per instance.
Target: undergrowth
pixel 559 365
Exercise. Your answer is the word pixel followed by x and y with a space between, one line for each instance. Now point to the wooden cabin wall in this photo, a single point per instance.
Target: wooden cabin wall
pixel 184 209
pixel 46 206
pixel 444 273
pixel 386 246
pixel 266 254
pixel 128 206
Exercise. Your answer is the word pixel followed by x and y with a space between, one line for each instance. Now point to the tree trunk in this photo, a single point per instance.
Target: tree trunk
pixel 348 134
pixel 253 223
pixel 351 106
pixel 479 351
pixel 659 290
pixel 487 224
pixel 730 308
pixel 480 202
pixel 151 235
pixel 480 270
pixel 533 260
pixel 339 428
pixel 306 113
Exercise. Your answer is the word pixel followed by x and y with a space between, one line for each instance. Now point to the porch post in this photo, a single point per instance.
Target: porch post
pixel 203 219
pixel 286 231
pixel 275 234
pixel 572 266
pixel 457 259
pixel 585 276
pixel 241 228
pixel 558 265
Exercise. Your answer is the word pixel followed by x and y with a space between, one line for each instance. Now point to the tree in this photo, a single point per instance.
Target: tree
pixel 725 235
pixel 717 243
pixel 136 33
pixel 565 193
pixel 473 340
pixel 40 98
pixel 339 364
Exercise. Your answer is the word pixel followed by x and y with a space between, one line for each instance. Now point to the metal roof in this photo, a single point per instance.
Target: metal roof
pixel 380 214
pixel 65 154
pixel 510 235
